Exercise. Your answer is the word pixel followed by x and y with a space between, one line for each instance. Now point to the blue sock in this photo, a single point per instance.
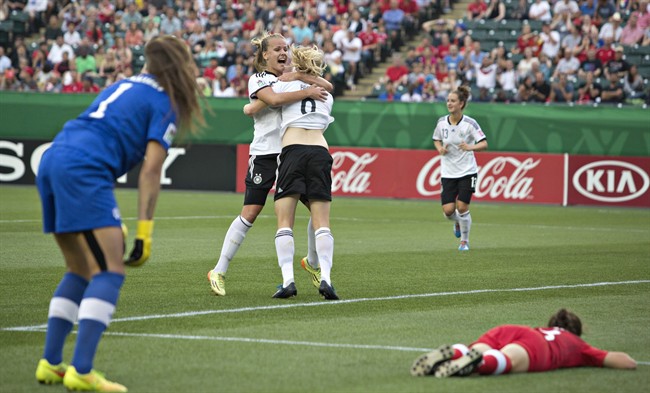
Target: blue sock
pixel 95 313
pixel 62 315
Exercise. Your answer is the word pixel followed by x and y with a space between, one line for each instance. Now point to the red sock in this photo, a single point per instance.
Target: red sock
pixel 459 350
pixel 494 363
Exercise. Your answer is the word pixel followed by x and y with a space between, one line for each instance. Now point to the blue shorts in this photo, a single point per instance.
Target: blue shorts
pixel 76 194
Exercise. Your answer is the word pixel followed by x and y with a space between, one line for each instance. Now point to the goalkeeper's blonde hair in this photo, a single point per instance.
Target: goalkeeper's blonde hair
pixel 307 60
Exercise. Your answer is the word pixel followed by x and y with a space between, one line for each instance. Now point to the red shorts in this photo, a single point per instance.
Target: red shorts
pixel 530 339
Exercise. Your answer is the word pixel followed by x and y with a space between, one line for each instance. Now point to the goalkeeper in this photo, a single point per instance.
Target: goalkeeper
pixel 132 120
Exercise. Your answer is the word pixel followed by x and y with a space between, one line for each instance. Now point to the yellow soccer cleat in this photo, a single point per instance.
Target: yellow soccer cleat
pixel 50 374
pixel 94 381
pixel 217 283
pixel 314 274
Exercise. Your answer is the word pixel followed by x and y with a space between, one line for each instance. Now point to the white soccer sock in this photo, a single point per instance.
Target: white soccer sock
pixel 234 238
pixel 453 217
pixel 284 247
pixel 325 249
pixel 312 255
pixel 465 222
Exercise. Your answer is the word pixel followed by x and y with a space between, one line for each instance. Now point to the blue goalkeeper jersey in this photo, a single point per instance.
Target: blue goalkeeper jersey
pixel 116 127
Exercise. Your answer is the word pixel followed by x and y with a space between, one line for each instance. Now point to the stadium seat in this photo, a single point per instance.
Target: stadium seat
pixel 20 22
pixel 511 24
pixel 6 27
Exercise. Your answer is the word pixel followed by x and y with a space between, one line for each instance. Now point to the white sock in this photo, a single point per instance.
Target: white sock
pixel 453 217
pixel 325 249
pixel 312 255
pixel 284 247
pixel 465 222
pixel 234 238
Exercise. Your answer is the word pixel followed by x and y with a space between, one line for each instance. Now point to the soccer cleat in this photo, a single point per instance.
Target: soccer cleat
pixel 429 362
pixel 314 274
pixel 327 291
pixel 457 230
pixel 461 367
pixel 464 246
pixel 284 293
pixel 50 374
pixel 217 283
pixel 94 381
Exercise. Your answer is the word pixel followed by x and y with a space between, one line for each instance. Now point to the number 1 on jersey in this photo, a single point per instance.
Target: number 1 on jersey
pixel 99 113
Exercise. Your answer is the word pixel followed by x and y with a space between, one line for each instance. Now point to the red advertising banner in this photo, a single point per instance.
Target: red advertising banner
pixel 603 180
pixel 399 173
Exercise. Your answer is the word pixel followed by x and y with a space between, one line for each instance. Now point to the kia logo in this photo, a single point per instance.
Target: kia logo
pixel 611 177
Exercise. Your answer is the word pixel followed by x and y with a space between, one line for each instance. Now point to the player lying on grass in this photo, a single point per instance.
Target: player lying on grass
pixel 517 349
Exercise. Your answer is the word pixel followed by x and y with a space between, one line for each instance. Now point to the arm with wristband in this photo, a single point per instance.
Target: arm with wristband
pixel 148 190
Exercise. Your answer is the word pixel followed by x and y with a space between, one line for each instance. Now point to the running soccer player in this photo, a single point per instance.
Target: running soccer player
pixel 517 349
pixel 131 120
pixel 457 137
pixel 271 58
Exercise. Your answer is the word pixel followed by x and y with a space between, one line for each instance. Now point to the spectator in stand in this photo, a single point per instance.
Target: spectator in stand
pixel 231 24
pixel 453 58
pixel 475 56
pixel 526 39
pixel 88 85
pixel 541 88
pixel 605 9
pixel 526 64
pixel 591 65
pixel 221 88
pixel 131 15
pixel 134 36
pixel 476 10
pixel 72 36
pixel 5 61
pixel 393 19
pixel 106 11
pixel 612 29
pixel 9 82
pixel 589 91
pixel 486 79
pixel 588 7
pixel 496 10
pixel 93 32
pixel 443 47
pixel 55 55
pixel 356 23
pixel 633 84
pixel 411 95
pixel 150 16
pixel 397 70
pixel 588 27
pixel 370 48
pixel 123 53
pixel 170 23
pixel 572 41
pixel 85 61
pixel 566 9
pixel 617 66
pixel 562 90
pixel 109 67
pixel 109 36
pixel 52 29
pixel 210 71
pixel 632 33
pixel 71 13
pixel 507 82
pixel 351 48
pixel 36 11
pixel 411 16
pixel 550 41
pixel 390 94
pixel 151 30
pixel 606 52
pixel 520 11
pixel 71 82
pixel 613 92
pixel 643 14
pixel 568 64
pixel 302 34
pixel 540 10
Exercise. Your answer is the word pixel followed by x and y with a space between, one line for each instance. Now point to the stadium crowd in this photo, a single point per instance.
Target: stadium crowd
pixel 505 50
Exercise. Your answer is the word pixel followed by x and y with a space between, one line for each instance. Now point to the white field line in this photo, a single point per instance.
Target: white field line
pixel 348 301
pixel 354 219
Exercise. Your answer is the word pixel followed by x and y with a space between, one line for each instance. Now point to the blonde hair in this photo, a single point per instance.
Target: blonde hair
pixel 262 44
pixel 307 60
pixel 170 61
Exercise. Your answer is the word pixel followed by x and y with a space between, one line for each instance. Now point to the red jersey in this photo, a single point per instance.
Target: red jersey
pixel 394 73
pixel 548 348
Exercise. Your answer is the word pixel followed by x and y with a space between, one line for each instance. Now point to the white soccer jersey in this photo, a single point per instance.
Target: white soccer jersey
pixel 266 138
pixel 458 163
pixel 308 113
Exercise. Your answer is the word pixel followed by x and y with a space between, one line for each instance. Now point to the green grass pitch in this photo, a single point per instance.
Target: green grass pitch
pixel 404 286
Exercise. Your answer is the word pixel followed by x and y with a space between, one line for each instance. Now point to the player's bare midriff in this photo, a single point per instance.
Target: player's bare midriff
pixel 302 136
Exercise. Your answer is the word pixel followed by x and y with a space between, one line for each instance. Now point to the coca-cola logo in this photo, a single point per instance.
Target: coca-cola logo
pixel 500 177
pixel 611 181
pixel 348 174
